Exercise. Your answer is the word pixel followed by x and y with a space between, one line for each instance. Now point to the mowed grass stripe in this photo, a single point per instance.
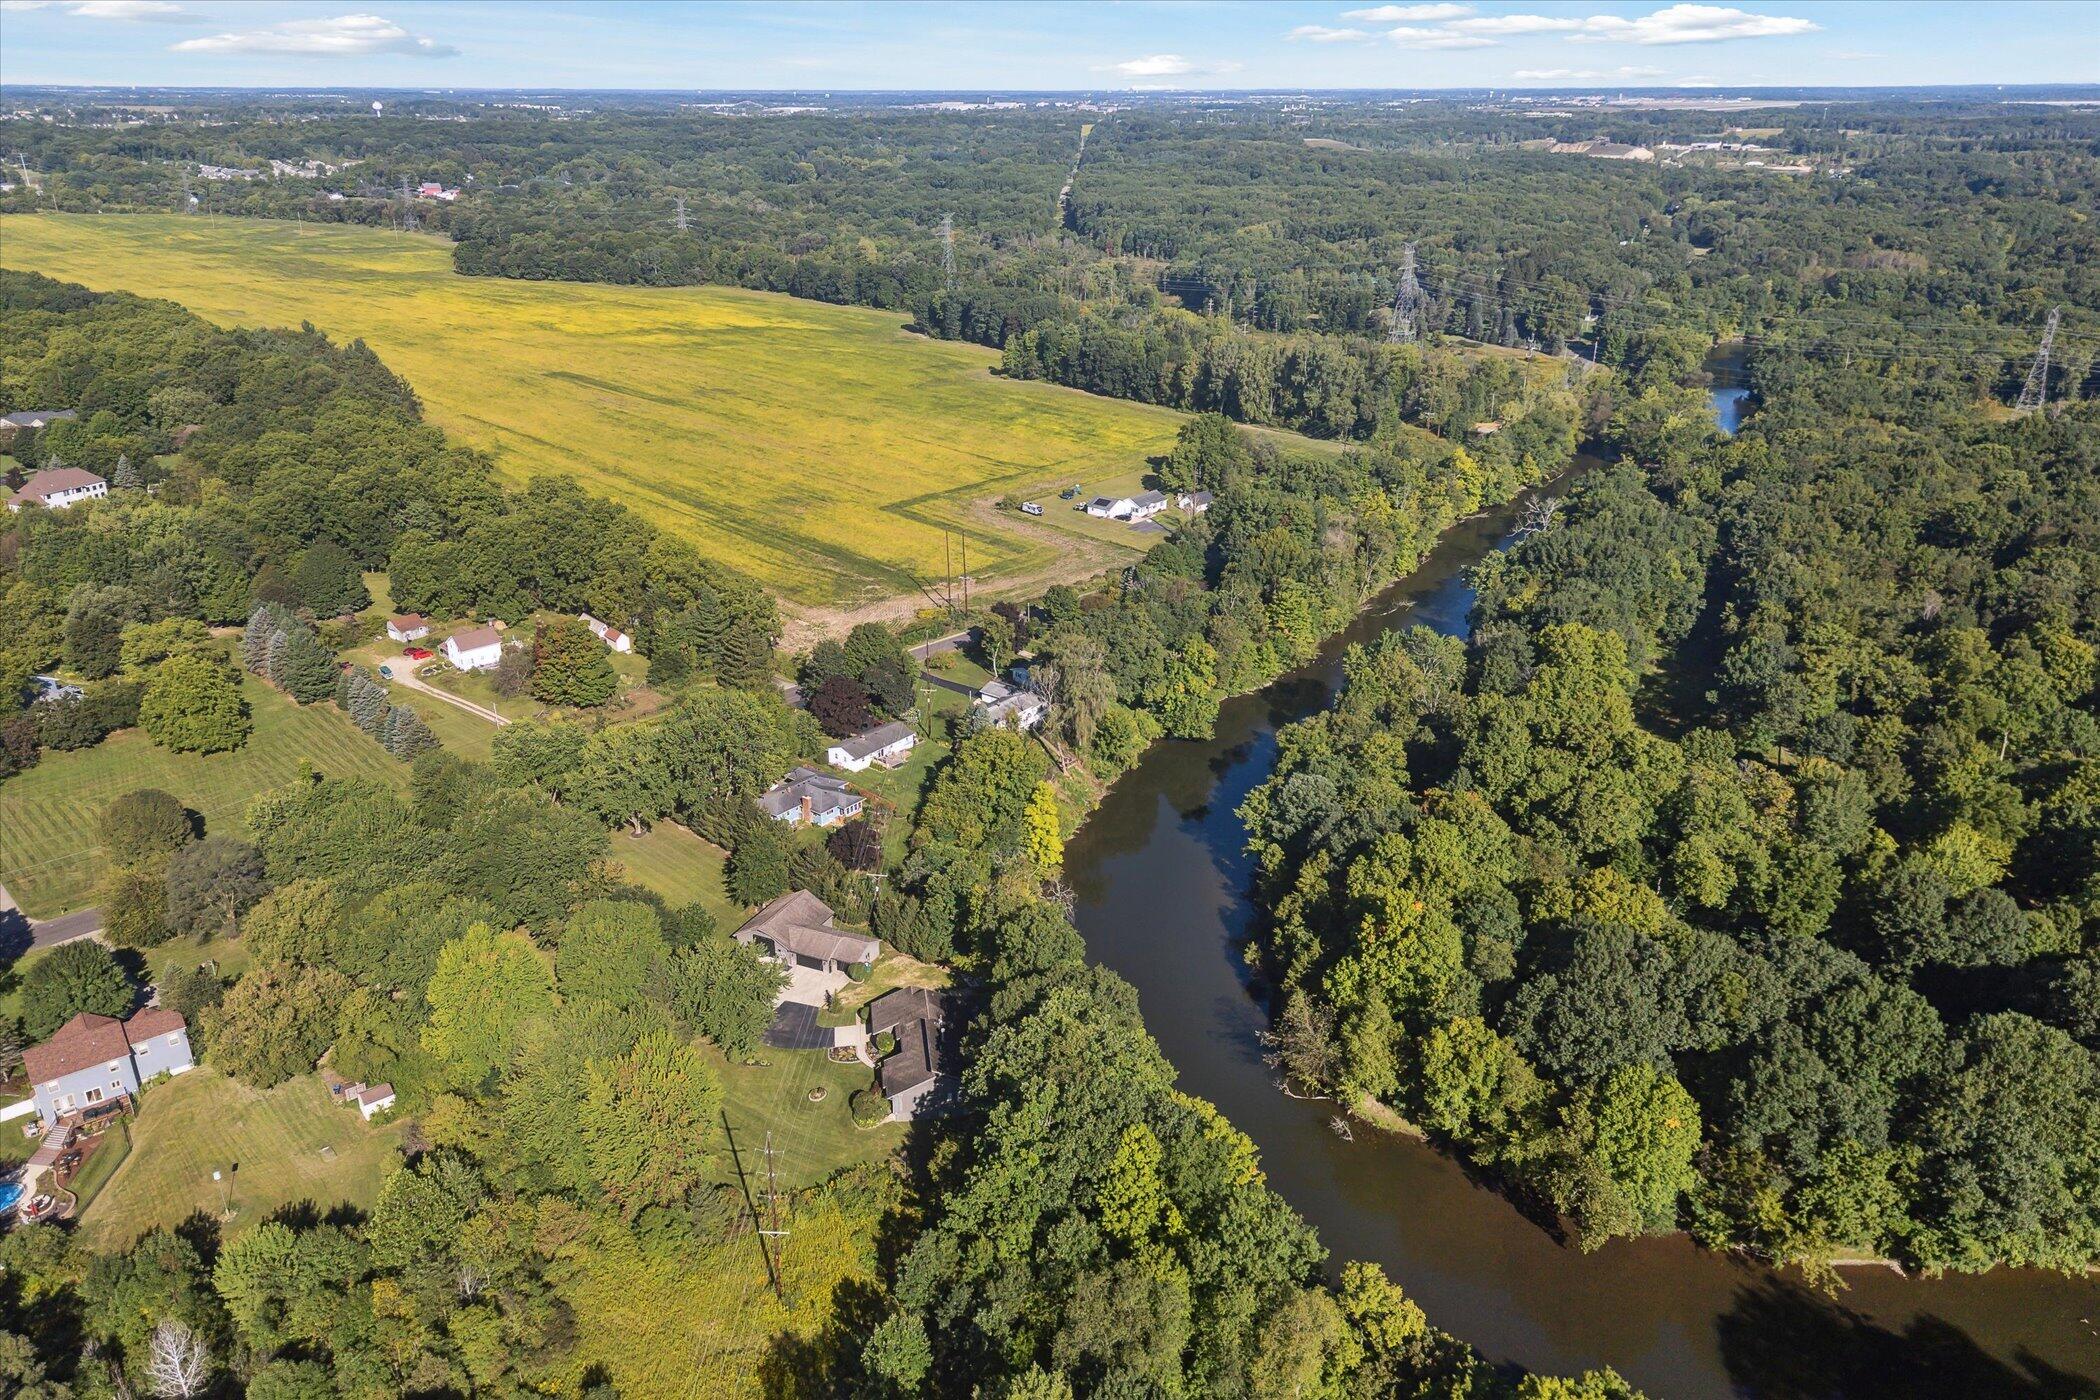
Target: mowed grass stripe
pixel 51 857
pixel 780 436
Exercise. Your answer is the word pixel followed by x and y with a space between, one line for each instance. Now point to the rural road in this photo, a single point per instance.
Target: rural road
pixel 951 642
pixel 42 933
pixel 407 676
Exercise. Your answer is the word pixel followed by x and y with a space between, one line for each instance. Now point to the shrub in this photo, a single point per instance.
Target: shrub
pixel 869 1107
pixel 860 972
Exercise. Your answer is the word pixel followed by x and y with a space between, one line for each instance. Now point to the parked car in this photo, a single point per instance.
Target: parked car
pixel 1069 493
pixel 1031 508
pixel 418 653
pixel 386 673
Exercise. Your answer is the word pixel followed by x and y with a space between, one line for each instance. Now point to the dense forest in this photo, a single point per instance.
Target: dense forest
pixel 1741 872
pixel 1942 230
pixel 552 1029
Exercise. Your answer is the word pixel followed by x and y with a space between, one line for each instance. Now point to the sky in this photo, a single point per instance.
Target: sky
pixel 1140 44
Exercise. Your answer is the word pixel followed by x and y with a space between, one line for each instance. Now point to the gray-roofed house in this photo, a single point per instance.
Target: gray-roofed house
pixel 809 798
pixel 60 488
pixel 1011 705
pixel 885 744
pixel 33 419
pixel 1194 502
pixel 797 929
pixel 1146 504
pixel 92 1065
pixel 914 1077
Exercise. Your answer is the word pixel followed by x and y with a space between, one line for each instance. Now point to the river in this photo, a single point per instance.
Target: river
pixel 1161 886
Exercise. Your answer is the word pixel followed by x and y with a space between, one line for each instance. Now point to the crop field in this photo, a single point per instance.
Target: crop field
pixel 819 448
pixel 51 858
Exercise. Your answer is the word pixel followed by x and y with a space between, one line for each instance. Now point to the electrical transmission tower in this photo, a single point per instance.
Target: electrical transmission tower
pixel 678 220
pixel 1407 300
pixel 948 251
pixel 773 1229
pixel 2035 392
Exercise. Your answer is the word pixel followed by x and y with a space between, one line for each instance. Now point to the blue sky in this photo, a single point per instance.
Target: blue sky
pixel 1173 43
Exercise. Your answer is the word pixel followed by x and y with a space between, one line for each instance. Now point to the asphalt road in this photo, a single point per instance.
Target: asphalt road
pixel 19 933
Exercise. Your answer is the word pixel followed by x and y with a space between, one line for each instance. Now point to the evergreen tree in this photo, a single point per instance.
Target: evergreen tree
pixel 569 665
pixel 304 668
pixel 405 735
pixel 125 477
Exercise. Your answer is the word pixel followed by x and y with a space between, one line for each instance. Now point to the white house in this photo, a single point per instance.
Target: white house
pixel 607 633
pixel 60 488
pixel 476 649
pixel 1003 704
pixel 407 627
pixel 1194 502
pixel 374 1099
pixel 1146 504
pixel 885 744
pixel 1111 507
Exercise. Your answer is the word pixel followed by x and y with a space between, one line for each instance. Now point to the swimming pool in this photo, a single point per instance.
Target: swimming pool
pixel 10 1192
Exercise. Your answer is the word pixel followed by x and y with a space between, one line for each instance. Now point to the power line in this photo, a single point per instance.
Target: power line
pixel 2034 393
pixel 678 220
pixel 1407 300
pixel 773 1218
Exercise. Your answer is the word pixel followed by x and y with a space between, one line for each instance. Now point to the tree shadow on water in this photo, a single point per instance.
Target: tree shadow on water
pixel 1781 1342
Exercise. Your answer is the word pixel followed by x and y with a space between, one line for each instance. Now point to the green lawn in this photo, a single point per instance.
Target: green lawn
pixel 682 868
pixel 275 1147
pixel 810 1140
pixel 51 858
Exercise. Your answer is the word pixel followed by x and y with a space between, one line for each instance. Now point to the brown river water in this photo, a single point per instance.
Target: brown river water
pixel 1162 898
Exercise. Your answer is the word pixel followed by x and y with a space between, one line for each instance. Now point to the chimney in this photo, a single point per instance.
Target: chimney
pixel 809 809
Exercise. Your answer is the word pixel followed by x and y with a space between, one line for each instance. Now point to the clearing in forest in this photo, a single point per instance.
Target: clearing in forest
pixel 819 448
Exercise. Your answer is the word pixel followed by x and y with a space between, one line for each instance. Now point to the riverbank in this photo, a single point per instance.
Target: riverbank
pixel 1159 877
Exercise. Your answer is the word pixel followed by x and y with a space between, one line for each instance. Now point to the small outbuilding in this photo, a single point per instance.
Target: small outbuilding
pixel 407 627
pixel 374 1099
pixel 607 633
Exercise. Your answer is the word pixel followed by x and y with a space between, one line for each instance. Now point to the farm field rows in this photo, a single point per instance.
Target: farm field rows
pixel 820 448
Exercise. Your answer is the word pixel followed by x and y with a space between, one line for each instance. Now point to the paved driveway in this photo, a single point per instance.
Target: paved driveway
pixel 795 1028
pixel 809 987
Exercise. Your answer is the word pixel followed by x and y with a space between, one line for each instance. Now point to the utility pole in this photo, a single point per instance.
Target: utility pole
pixel 948 252
pixel 1407 300
pixel 948 572
pixel 965 534
pixel 678 220
pixel 2034 393
pixel 773 1218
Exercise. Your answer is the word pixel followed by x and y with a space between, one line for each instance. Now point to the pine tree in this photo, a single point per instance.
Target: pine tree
pixel 263 624
pixel 405 735
pixel 304 668
pixel 745 657
pixel 126 476
pixel 274 657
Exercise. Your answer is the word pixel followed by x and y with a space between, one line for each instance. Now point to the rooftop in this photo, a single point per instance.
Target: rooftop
pixel 801 923
pixel 876 739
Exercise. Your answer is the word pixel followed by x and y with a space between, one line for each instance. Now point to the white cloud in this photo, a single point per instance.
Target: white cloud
pixel 1401 14
pixel 136 11
pixel 1583 75
pixel 1408 38
pixel 1172 65
pixel 1690 24
pixel 1158 65
pixel 17 6
pixel 345 36
pixel 1321 34
pixel 1516 24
